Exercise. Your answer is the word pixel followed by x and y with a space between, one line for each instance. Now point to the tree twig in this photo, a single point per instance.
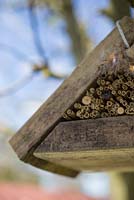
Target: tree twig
pixel 116 10
pixel 16 52
pixel 35 31
pixel 44 67
pixel 34 23
pixel 16 86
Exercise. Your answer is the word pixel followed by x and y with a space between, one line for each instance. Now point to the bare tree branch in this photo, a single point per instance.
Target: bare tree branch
pixel 16 52
pixel 22 56
pixel 20 83
pixel 35 31
pixel 26 79
pixel 33 18
pixel 76 31
pixel 117 9
pixel 16 86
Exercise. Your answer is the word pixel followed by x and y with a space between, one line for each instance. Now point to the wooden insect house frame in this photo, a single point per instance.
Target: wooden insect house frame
pixel 88 123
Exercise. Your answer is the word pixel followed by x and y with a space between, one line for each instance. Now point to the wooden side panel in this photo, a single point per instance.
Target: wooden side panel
pixel 49 115
pixel 94 144
pixel 94 160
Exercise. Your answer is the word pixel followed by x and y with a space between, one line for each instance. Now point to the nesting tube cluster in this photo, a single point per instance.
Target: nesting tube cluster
pixel 112 95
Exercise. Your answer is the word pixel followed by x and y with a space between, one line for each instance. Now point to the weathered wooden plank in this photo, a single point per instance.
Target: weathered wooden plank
pixel 49 115
pixel 49 166
pixel 94 144
pixel 130 52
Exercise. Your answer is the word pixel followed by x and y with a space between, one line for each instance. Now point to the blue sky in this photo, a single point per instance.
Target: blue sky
pixel 15 31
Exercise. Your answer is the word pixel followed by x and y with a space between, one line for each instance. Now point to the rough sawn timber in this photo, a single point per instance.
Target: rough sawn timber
pixel 92 145
pixel 49 114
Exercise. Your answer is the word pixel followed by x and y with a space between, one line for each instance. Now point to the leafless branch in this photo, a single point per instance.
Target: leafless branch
pixel 116 10
pixel 34 23
pixel 33 18
pixel 44 67
pixel 25 80
pixel 15 52
pixel 16 86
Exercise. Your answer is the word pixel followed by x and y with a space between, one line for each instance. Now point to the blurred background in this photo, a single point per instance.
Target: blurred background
pixel 41 42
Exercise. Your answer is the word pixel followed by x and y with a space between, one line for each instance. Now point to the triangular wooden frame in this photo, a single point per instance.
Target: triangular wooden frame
pixel 33 133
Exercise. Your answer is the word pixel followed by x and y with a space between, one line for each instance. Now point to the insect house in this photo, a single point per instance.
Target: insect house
pixel 88 123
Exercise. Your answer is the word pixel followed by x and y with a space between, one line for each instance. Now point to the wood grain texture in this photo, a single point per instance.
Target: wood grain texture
pixel 49 115
pixel 130 52
pixel 94 144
